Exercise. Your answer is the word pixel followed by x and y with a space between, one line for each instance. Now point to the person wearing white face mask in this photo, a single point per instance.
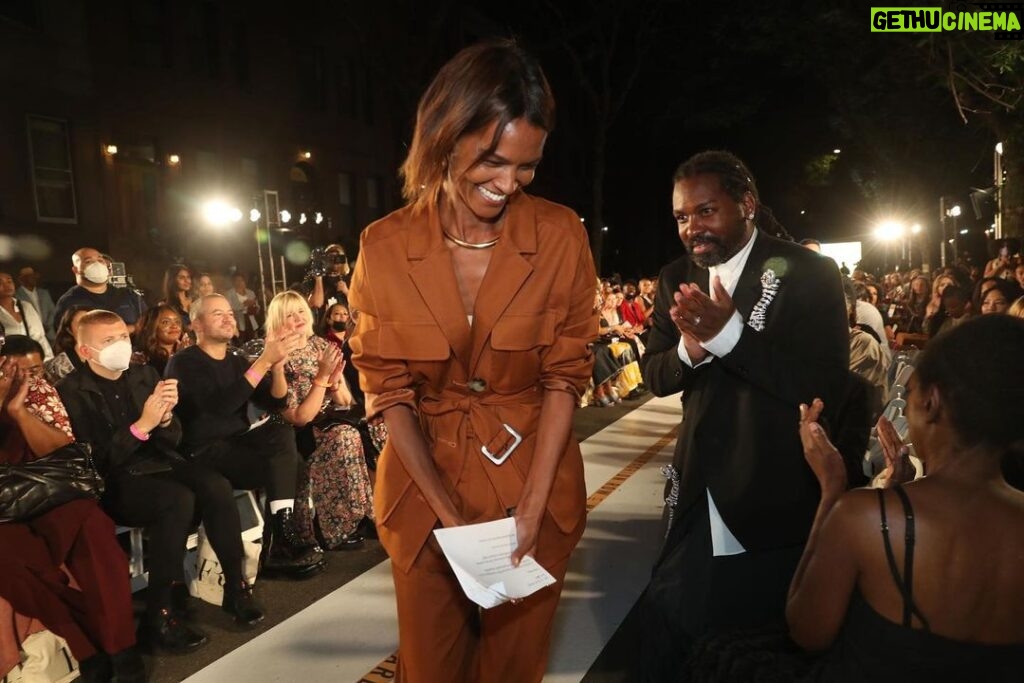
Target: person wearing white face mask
pixel 126 412
pixel 93 290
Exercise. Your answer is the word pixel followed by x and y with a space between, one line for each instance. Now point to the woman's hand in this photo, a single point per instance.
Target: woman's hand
pixel 8 370
pixel 898 468
pixel 328 364
pixel 527 531
pixel 823 458
pixel 335 379
pixel 16 391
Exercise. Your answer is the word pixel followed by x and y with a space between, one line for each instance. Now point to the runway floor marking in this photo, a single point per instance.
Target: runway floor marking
pixel 386 670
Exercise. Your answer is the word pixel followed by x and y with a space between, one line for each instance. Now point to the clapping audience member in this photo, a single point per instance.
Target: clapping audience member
pixel 999 296
pixel 178 291
pixel 95 618
pixel 66 358
pixel 336 477
pixel 126 412
pixel 215 388
pixel 925 582
pixel 20 317
pixel 630 310
pixel 916 304
pixel 160 336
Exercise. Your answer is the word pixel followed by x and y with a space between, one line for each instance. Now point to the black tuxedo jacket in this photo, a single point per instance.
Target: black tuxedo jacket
pixel 739 436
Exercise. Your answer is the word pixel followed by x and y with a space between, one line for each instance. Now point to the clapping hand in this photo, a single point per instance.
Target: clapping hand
pixel 8 372
pixel 278 345
pixel 823 458
pixel 898 468
pixel 329 365
pixel 158 405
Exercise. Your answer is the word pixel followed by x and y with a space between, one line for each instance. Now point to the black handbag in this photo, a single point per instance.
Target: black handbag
pixel 29 489
pixel 354 417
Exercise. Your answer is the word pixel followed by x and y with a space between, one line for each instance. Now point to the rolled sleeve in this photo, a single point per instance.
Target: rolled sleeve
pixel 568 364
pixel 386 382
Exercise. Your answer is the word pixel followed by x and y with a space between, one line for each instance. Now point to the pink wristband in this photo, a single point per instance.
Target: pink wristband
pixel 141 436
pixel 254 375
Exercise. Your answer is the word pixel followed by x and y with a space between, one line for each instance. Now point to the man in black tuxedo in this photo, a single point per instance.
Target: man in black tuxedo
pixel 748 326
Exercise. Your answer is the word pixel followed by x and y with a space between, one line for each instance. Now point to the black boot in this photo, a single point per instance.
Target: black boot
pixel 283 555
pixel 128 666
pixel 166 631
pixel 240 604
pixel 95 669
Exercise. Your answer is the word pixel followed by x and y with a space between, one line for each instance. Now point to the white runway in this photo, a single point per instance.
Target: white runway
pixel 346 634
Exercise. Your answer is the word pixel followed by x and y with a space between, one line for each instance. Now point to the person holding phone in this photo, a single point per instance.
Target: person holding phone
pixel 474 309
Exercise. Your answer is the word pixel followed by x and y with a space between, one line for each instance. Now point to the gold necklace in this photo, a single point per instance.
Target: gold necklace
pixel 470 245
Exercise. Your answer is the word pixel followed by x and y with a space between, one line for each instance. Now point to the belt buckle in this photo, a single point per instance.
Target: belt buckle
pixel 497 459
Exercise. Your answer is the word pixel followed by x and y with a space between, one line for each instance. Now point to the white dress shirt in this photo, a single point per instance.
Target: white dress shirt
pixel 722 540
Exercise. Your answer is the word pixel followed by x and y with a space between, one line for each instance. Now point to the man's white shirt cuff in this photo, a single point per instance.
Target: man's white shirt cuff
pixel 726 339
pixel 685 357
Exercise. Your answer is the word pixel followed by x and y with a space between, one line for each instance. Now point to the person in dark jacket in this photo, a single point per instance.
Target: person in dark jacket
pixel 216 389
pixel 126 413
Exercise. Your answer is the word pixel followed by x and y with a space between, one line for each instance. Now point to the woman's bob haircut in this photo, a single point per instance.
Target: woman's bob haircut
pixel 492 81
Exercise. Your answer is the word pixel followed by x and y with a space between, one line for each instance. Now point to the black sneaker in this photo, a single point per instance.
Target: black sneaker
pixel 167 632
pixel 240 604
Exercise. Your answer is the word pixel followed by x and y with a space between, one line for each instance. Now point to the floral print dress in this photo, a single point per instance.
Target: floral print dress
pixel 335 476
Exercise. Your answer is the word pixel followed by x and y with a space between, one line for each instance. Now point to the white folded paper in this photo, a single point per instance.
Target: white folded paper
pixel 480 555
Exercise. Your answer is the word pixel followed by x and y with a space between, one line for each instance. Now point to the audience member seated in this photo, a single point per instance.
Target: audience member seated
pixel 630 309
pixel 867 360
pixel 336 477
pixel 66 358
pixel 334 325
pixel 954 309
pixel 939 284
pixel 160 335
pixel 93 290
pixel 21 317
pixel 204 285
pixel 938 595
pixel 627 381
pixel 126 413
pixel 869 319
pixel 912 312
pixel 214 390
pixel 1016 308
pixel 613 325
pixel 245 306
pixel 998 297
pixel 30 291
pixel 95 618
pixel 178 291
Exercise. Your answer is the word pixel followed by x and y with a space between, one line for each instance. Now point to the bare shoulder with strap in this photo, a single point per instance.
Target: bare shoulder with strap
pixel 905 583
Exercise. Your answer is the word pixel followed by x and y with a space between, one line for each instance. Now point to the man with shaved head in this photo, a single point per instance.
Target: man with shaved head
pixel 93 290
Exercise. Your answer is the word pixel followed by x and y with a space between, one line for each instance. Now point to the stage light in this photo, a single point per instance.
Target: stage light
pixel 964 231
pixel 254 215
pixel 173 159
pixel 999 148
pixel 886 231
pixel 915 228
pixel 319 218
pixel 285 215
pixel 307 155
pixel 235 214
pixel 954 211
pixel 604 229
pixel 837 151
pixel 302 219
pixel 217 213
pixel 110 150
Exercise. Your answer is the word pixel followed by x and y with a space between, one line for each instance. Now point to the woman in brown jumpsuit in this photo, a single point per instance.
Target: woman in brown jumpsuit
pixel 475 314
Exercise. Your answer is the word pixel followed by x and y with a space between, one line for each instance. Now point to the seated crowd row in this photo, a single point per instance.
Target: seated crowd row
pixel 171 428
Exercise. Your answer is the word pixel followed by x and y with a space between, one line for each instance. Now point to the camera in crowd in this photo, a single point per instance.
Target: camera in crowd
pixel 329 260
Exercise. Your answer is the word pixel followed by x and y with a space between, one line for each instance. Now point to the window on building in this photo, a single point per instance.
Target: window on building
pixel 312 76
pixel 346 100
pixel 52 178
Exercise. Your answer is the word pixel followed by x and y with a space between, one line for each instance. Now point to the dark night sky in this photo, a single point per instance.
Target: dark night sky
pixel 776 100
